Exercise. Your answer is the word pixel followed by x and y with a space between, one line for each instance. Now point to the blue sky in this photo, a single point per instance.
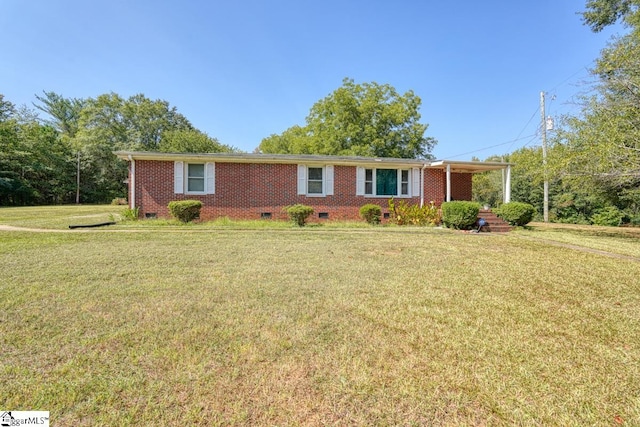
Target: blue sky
pixel 242 70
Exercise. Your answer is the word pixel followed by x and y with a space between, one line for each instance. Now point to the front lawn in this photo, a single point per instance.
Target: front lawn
pixel 371 326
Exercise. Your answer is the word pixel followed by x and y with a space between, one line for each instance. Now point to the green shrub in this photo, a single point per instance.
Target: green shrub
pixel 634 220
pixel 371 213
pixel 460 215
pixel 610 216
pixel 130 214
pixel 403 213
pixel 299 213
pixel 516 213
pixel 185 210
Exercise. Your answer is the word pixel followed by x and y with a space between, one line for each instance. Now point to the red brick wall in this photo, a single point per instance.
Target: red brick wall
pixel 435 182
pixel 461 186
pixel 246 190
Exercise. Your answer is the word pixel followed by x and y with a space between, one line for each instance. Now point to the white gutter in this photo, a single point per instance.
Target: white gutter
pixel 132 183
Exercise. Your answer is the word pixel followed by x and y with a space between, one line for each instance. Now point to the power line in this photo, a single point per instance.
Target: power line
pixel 569 78
pixel 525 126
pixel 487 148
pixel 532 136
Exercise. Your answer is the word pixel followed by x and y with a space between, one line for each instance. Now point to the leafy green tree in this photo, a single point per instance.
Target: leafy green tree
pixel 110 122
pixel 295 140
pixel 191 141
pixel 64 113
pixel 488 186
pixel 39 158
pixel 602 13
pixel 527 179
pixel 7 109
pixel 34 161
pixel 145 122
pixel 366 119
pixel 594 158
pixel 602 145
pixel 48 167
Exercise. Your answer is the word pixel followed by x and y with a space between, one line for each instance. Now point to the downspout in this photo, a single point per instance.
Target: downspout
pixel 448 182
pixel 132 183
pixel 422 184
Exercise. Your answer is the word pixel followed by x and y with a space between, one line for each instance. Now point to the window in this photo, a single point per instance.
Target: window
pixel 314 181
pixel 404 181
pixel 386 182
pixel 195 178
pixel 368 181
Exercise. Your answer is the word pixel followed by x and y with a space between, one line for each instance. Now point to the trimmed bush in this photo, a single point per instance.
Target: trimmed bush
pixel 460 215
pixel 185 210
pixel 516 213
pixel 299 213
pixel 371 213
pixel 610 216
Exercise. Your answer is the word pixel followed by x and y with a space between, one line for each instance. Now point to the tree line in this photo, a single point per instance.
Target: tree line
pixel 594 157
pixel 68 156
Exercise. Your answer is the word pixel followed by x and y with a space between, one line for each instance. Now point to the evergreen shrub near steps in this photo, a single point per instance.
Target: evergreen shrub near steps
pixel 460 215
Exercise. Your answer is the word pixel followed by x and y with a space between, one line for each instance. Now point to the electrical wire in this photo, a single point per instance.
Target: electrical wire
pixel 525 126
pixel 492 146
pixel 532 136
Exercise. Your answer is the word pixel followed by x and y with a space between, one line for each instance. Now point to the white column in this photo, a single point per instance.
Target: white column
pixel 507 185
pixel 448 183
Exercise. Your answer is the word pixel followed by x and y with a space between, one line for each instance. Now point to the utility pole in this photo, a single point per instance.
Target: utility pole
pixel 543 124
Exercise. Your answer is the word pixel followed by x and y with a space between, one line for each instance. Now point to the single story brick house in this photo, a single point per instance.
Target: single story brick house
pixel 254 186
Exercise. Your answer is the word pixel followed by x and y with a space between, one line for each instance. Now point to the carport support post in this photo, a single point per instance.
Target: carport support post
pixel 507 185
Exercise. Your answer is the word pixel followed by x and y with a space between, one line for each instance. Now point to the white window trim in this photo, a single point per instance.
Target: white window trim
pixel 186 179
pixel 181 178
pixel 323 180
pixel 360 183
pixel 327 180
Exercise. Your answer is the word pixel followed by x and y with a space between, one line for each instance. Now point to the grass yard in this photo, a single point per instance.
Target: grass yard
pixel 57 217
pixel 618 240
pixel 207 325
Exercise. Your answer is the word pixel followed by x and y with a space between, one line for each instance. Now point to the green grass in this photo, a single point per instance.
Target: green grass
pixel 58 217
pixel 617 240
pixel 316 326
